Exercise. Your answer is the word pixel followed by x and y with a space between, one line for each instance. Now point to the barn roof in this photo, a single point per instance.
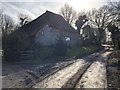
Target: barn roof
pixel 50 18
pixel 28 31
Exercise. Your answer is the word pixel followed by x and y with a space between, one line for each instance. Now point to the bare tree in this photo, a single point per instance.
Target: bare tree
pixel 80 22
pixel 114 9
pixel 100 19
pixel 6 24
pixel 24 19
pixel 68 13
pixel 113 26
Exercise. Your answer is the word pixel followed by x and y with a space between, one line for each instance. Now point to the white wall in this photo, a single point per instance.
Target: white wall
pixel 50 35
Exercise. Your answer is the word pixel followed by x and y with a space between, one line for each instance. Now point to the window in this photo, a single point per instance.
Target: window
pixel 42 32
pixel 67 38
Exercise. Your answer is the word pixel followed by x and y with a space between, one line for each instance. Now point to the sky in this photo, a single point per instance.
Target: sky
pixel 35 8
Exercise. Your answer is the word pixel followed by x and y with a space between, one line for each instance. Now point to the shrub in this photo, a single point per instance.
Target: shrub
pixel 44 52
pixel 11 48
pixel 81 51
pixel 60 47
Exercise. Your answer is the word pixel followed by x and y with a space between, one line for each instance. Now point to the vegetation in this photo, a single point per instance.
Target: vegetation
pixel 115 35
pixel 60 47
pixel 92 27
pixel 100 22
pixel 10 44
pixel 113 69
pixel 80 22
pixel 47 54
pixel 24 19
pixel 81 51
pixel 11 49
pixel 68 13
pixel 44 53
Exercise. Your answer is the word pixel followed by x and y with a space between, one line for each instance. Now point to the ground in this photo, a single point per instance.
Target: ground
pixel 113 69
pixel 87 72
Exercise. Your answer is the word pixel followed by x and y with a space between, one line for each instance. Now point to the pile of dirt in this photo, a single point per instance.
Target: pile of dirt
pixel 113 70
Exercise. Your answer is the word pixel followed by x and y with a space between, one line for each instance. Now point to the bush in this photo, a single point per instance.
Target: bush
pixel 44 52
pixel 60 47
pixel 81 51
pixel 11 48
pixel 11 55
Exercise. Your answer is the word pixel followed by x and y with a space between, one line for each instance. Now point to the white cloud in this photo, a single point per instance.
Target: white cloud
pixel 13 11
pixel 33 0
pixel 35 7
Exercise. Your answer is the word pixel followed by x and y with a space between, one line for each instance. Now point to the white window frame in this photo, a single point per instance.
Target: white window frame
pixel 67 39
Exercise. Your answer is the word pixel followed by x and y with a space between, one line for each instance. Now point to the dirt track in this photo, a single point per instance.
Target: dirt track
pixel 94 77
pixel 58 79
pixel 88 72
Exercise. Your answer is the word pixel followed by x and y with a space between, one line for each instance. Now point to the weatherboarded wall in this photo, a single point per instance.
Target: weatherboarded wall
pixel 48 36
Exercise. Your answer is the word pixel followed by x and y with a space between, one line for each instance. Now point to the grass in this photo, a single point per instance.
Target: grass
pixel 80 51
pixel 114 58
pixel 46 54
pixel 113 61
pixel 113 71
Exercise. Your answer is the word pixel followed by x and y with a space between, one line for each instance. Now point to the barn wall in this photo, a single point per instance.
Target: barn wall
pixel 48 35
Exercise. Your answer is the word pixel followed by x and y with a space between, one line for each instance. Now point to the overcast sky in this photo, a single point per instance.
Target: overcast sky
pixel 36 7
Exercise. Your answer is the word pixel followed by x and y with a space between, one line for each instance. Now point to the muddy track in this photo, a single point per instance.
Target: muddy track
pixel 30 76
pixel 71 83
pixel 68 76
pixel 95 75
pixel 89 72
pixel 37 77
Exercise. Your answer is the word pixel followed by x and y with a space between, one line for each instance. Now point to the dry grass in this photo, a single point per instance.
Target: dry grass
pixel 113 72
